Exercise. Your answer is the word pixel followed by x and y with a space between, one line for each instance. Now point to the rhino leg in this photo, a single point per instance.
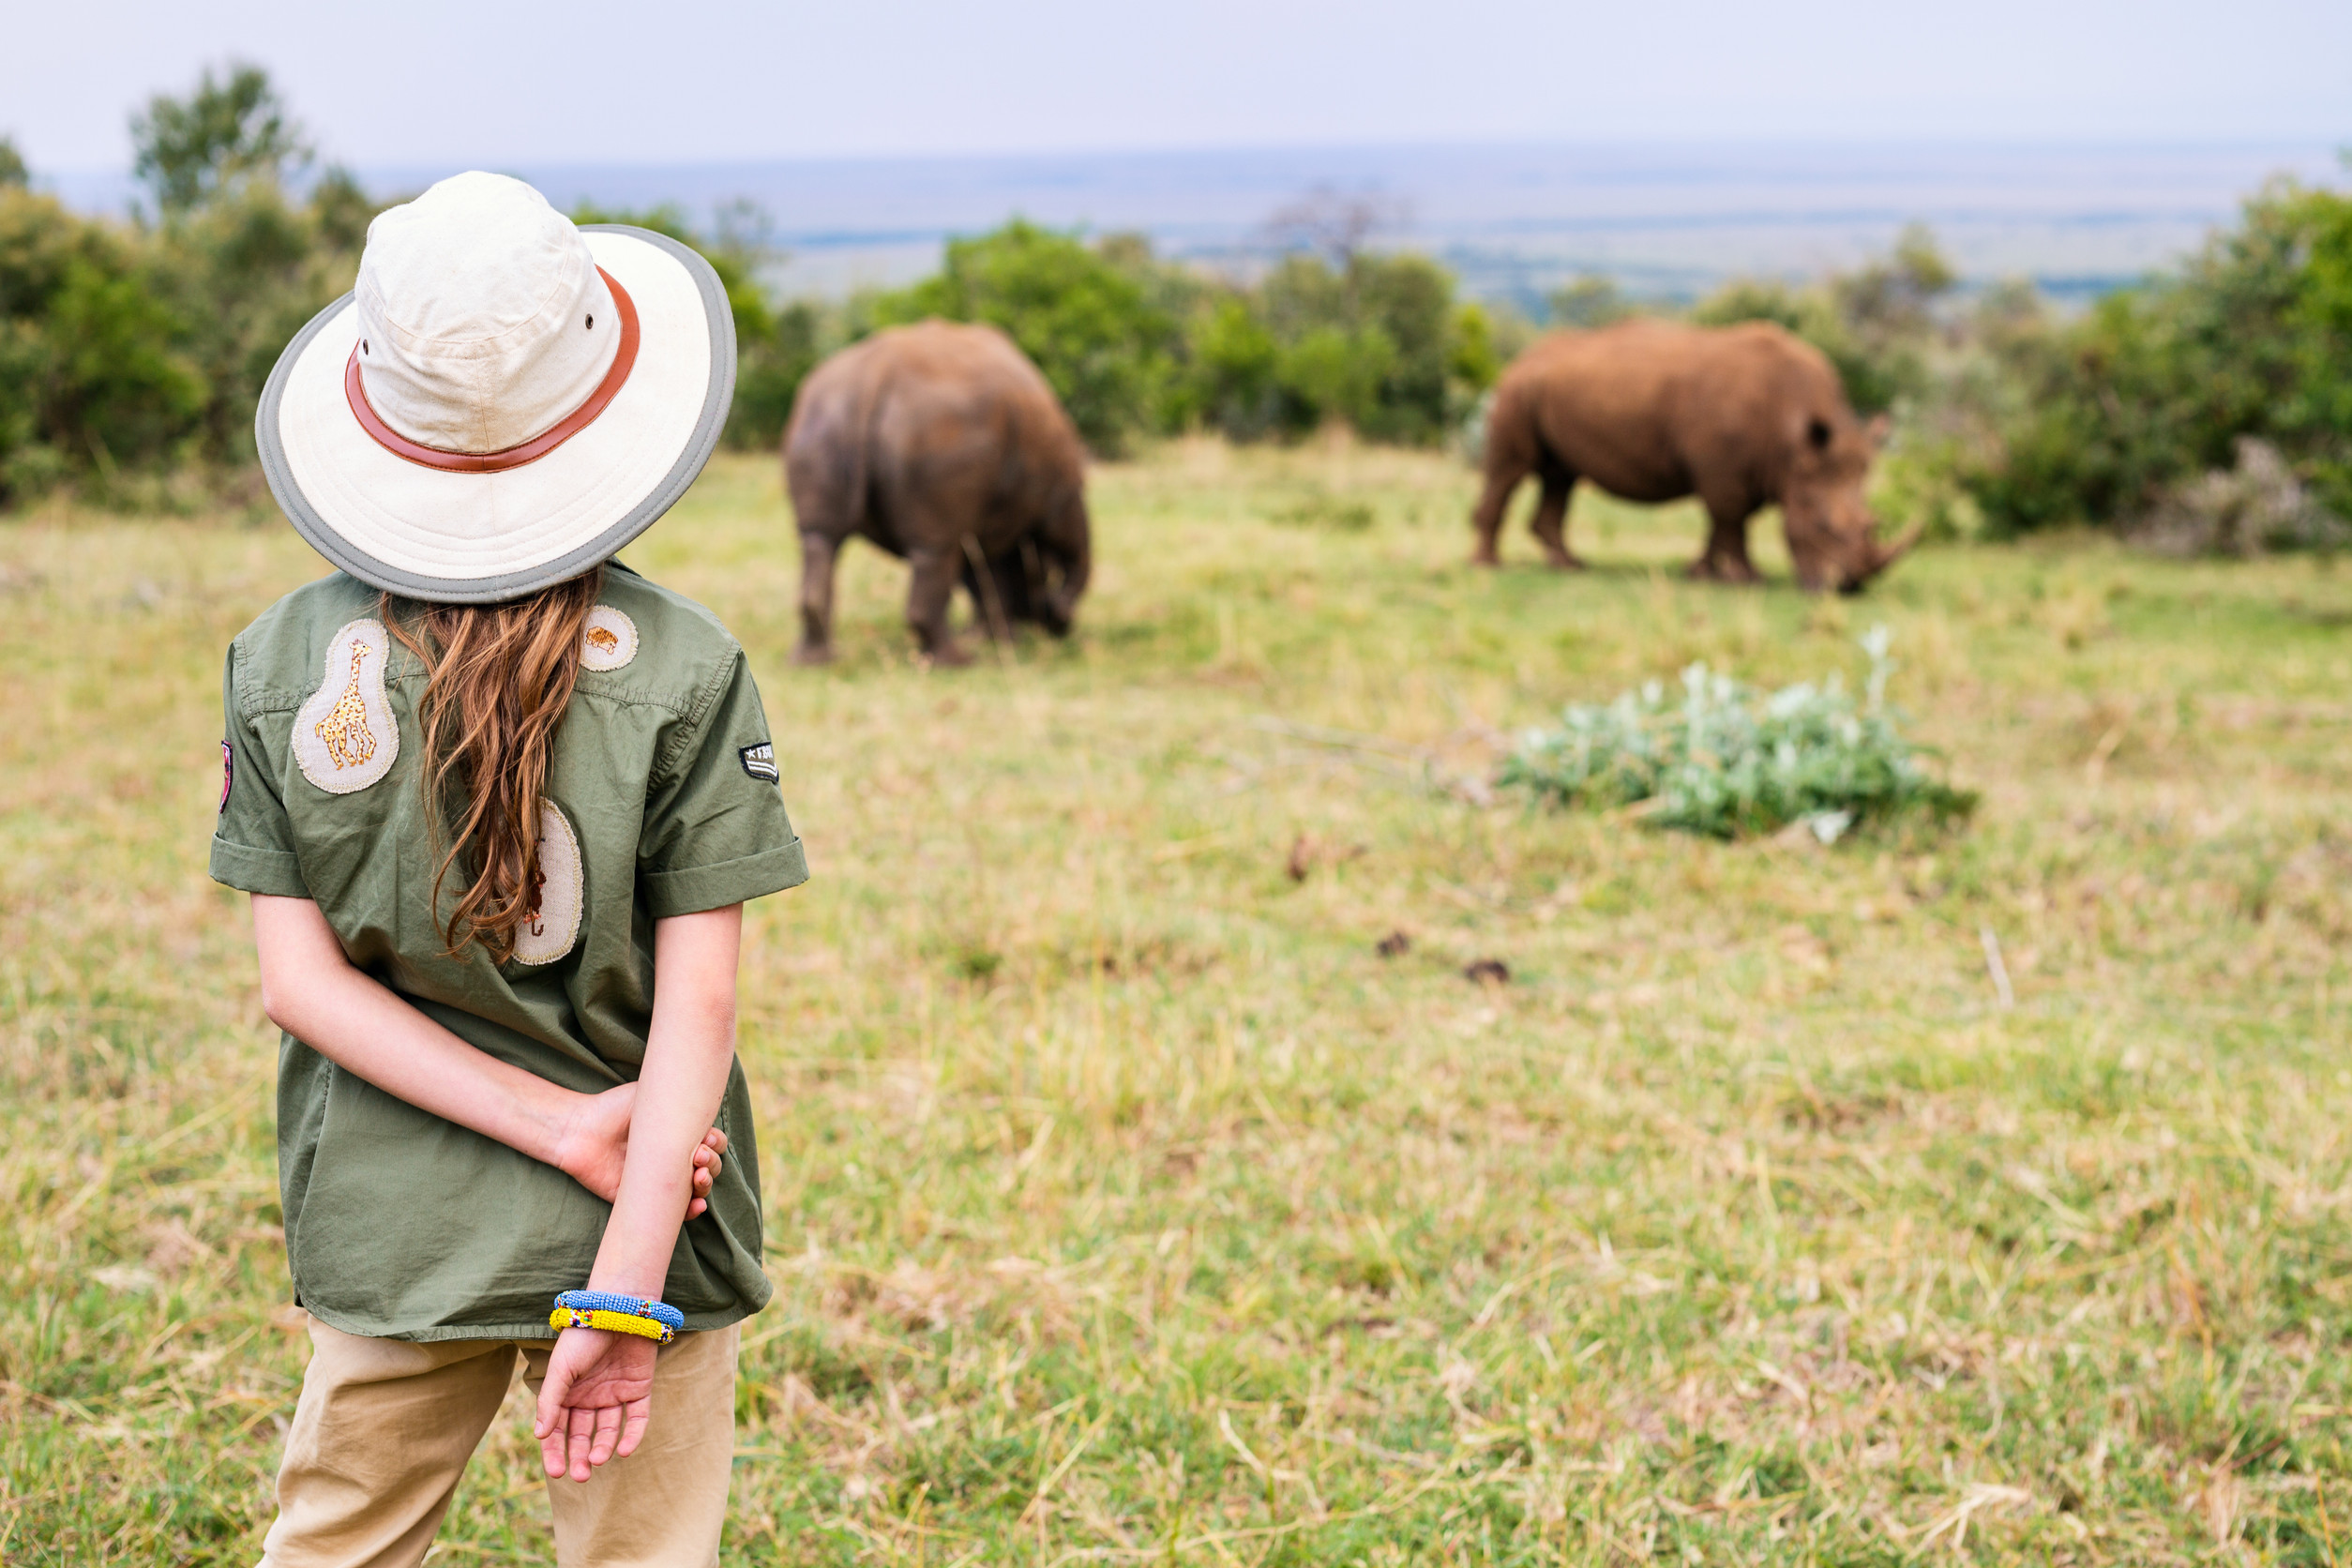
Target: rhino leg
pixel 817 552
pixel 936 569
pixel 1486 518
pixel 1549 525
pixel 1726 557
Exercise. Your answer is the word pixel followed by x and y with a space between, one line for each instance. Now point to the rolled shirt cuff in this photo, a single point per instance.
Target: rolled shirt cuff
pixel 696 888
pixel 273 872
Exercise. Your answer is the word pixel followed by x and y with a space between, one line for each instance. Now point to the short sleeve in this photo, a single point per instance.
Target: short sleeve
pixel 253 842
pixel 716 830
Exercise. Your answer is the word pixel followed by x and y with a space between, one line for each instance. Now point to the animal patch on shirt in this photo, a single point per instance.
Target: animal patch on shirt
pixel 345 737
pixel 228 775
pixel 610 639
pixel 553 924
pixel 760 761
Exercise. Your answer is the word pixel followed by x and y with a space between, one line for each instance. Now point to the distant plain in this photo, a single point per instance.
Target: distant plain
pixel 1515 220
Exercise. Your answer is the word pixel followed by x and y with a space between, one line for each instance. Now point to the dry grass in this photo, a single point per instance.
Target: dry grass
pixel 1127 1206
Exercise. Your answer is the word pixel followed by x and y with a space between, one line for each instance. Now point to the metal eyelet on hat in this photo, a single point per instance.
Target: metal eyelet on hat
pixel 592 323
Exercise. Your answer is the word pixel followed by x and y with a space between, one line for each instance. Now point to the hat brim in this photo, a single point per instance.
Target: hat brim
pixel 475 539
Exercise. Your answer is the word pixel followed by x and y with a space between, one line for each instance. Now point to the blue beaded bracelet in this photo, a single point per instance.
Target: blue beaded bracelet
pixel 635 1307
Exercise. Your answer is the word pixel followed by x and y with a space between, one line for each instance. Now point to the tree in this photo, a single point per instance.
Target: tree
pixel 191 150
pixel 12 170
pixel 1334 225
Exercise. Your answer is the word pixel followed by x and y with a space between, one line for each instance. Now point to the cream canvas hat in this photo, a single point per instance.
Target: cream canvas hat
pixel 503 401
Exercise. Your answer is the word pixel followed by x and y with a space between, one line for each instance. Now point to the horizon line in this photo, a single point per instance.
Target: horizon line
pixel 2339 142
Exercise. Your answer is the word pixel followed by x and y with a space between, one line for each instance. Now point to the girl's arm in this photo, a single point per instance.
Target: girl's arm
pixel 597 1396
pixel 310 990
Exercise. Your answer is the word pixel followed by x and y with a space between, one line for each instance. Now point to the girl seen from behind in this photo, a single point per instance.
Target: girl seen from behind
pixel 498 802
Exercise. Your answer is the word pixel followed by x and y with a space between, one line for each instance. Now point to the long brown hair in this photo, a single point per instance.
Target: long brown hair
pixel 499 678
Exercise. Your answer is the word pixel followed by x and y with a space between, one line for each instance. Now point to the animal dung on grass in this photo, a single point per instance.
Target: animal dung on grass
pixel 1744 417
pixel 941 444
pixel 1487 971
pixel 1730 760
pixel 1393 946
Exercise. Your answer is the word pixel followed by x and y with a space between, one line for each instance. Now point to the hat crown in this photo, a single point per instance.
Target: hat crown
pixel 483 319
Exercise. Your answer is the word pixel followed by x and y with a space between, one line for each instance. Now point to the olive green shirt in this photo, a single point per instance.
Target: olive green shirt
pixel 399 1224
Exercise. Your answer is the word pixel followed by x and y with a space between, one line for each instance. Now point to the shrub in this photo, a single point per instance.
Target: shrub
pixel 240 273
pixel 90 373
pixel 129 348
pixel 2102 416
pixel 1728 760
pixel 1087 320
pixel 1376 341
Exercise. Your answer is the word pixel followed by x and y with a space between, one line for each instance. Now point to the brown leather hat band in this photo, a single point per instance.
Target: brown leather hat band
pixel 532 450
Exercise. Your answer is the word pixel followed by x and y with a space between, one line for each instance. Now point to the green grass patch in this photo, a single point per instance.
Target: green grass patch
pixel 1125 1203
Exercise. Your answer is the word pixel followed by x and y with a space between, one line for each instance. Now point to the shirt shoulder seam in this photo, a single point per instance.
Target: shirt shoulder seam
pixel 665 767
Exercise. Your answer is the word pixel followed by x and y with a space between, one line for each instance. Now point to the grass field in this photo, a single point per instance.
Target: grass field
pixel 1126 1205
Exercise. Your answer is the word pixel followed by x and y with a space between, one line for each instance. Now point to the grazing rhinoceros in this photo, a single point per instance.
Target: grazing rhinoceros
pixel 1740 416
pixel 944 445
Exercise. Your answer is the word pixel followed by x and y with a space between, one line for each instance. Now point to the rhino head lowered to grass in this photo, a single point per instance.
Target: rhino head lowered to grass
pixel 1744 417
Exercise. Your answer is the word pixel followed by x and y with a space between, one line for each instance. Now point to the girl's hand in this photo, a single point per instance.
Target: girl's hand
pixel 596 1400
pixel 594 1144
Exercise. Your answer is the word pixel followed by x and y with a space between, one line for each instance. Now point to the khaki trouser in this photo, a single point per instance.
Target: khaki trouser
pixel 384 1427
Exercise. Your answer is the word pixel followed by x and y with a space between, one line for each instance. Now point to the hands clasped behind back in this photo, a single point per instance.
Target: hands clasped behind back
pixel 593 1147
pixel 311 990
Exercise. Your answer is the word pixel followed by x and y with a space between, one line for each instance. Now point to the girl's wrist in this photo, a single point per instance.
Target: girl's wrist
pixel 643 1283
pixel 560 1123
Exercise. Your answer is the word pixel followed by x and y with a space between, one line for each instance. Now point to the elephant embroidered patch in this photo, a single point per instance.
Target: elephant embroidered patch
pixel 549 931
pixel 610 641
pixel 345 737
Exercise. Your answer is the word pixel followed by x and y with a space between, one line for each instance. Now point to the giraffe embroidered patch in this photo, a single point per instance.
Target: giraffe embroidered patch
pixel 610 641
pixel 345 737
pixel 553 924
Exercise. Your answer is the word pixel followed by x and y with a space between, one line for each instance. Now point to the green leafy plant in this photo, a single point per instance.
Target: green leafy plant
pixel 1728 760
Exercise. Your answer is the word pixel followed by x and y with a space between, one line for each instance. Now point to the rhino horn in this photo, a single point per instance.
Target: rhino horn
pixel 1883 556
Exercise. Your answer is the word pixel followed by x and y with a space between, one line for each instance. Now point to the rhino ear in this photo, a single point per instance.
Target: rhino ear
pixel 1876 430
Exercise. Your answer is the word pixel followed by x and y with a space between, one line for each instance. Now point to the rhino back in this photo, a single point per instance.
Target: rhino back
pixel 937 428
pixel 1653 411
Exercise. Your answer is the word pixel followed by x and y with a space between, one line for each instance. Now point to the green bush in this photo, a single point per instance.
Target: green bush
pixel 1375 340
pixel 1085 317
pixel 92 371
pixel 2097 416
pixel 1134 345
pixel 128 349
pixel 1728 760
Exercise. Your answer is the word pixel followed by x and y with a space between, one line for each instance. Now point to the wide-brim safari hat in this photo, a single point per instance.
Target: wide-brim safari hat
pixel 504 401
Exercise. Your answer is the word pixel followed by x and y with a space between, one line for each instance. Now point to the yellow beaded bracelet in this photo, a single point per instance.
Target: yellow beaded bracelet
pixel 618 1322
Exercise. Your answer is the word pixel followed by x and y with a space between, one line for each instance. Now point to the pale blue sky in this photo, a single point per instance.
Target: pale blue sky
pixel 485 82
